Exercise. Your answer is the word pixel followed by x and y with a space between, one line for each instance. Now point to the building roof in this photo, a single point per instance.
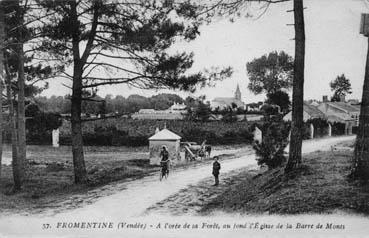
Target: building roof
pixel 313 111
pixel 310 112
pixel 146 111
pixel 345 106
pixel 228 101
pixel 165 134
pixel 339 118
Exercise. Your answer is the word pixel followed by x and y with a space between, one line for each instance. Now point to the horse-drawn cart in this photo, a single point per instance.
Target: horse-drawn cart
pixel 193 151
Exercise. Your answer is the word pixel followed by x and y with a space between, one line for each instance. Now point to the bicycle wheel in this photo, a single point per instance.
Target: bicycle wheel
pixel 160 175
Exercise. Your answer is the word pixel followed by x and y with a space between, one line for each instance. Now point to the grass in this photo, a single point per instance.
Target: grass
pixel 49 177
pixel 321 185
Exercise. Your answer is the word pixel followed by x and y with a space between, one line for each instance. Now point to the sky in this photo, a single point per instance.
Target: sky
pixel 333 47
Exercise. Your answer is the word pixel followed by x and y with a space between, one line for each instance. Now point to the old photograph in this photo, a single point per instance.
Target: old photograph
pixel 184 118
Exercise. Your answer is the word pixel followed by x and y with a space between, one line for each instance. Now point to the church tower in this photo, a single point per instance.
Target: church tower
pixel 237 94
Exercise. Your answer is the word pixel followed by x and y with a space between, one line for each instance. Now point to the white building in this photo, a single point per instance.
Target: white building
pixel 225 102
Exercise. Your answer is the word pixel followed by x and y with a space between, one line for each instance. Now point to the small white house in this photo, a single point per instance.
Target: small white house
pixel 170 140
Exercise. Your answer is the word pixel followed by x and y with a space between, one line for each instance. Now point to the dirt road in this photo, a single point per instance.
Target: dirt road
pixel 138 195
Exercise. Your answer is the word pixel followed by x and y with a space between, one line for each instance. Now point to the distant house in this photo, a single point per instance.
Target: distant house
pixel 341 112
pixel 175 112
pixel 146 111
pixel 310 112
pixel 177 108
pixel 225 102
pixel 254 107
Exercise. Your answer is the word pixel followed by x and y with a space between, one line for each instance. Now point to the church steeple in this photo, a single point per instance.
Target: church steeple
pixel 237 94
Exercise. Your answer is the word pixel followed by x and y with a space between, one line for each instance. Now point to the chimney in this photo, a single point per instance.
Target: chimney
pixel 342 98
pixel 325 98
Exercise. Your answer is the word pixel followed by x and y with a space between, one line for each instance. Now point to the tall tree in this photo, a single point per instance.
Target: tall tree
pixel 270 73
pixel 2 76
pixel 21 85
pixel 15 69
pixel 126 38
pixel 341 86
pixel 17 34
pixel 294 158
pixel 360 167
pixel 228 7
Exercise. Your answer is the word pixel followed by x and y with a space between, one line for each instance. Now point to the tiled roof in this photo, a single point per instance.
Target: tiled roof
pixel 165 134
pixel 345 106
pixel 313 111
pixel 228 101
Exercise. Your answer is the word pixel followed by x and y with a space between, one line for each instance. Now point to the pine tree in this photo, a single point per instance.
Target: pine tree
pixel 360 167
pixel 294 158
pixel 128 39
pixel 2 76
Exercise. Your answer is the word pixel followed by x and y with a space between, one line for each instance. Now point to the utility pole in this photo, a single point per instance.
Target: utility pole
pixel 360 167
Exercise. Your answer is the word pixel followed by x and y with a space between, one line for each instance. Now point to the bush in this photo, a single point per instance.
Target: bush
pixel 338 128
pixel 270 151
pixel 320 126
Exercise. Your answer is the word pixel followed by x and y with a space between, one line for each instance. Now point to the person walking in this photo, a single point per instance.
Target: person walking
pixel 216 168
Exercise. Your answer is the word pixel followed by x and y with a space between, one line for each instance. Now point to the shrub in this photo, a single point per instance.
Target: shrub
pixel 270 151
pixel 338 128
pixel 320 126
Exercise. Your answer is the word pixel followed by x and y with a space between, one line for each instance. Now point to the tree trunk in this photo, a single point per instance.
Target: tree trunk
pixel 360 168
pixel 298 88
pixel 16 168
pixel 2 45
pixel 21 99
pixel 80 173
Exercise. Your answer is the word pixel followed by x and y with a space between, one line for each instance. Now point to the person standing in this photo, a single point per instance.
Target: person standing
pixel 216 168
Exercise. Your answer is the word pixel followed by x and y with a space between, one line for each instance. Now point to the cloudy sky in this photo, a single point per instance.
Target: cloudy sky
pixel 333 46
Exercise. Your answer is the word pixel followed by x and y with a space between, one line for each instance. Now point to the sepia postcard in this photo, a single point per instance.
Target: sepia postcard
pixel 184 118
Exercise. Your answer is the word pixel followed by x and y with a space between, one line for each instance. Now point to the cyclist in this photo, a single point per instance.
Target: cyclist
pixel 164 163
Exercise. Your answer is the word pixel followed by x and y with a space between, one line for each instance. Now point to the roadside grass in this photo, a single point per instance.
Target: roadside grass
pixel 321 185
pixel 52 183
pixel 49 178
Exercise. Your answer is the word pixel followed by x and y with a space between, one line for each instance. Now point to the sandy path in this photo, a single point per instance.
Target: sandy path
pixel 141 194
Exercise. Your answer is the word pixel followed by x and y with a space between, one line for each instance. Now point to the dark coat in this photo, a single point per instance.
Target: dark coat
pixel 216 167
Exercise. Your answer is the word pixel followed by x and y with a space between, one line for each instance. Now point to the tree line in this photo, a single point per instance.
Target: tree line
pixel 109 104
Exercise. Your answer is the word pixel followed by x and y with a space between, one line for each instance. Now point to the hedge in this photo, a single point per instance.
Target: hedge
pixel 130 132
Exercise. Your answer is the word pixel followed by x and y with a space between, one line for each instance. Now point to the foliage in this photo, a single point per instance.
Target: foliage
pixel 338 128
pixel 270 73
pixel 269 110
pixel 280 98
pixel 39 124
pixel 135 36
pixel 109 104
pixel 341 87
pixel 198 109
pixel 320 126
pixel 122 131
pixel 34 70
pixel 270 151
pixel 229 114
